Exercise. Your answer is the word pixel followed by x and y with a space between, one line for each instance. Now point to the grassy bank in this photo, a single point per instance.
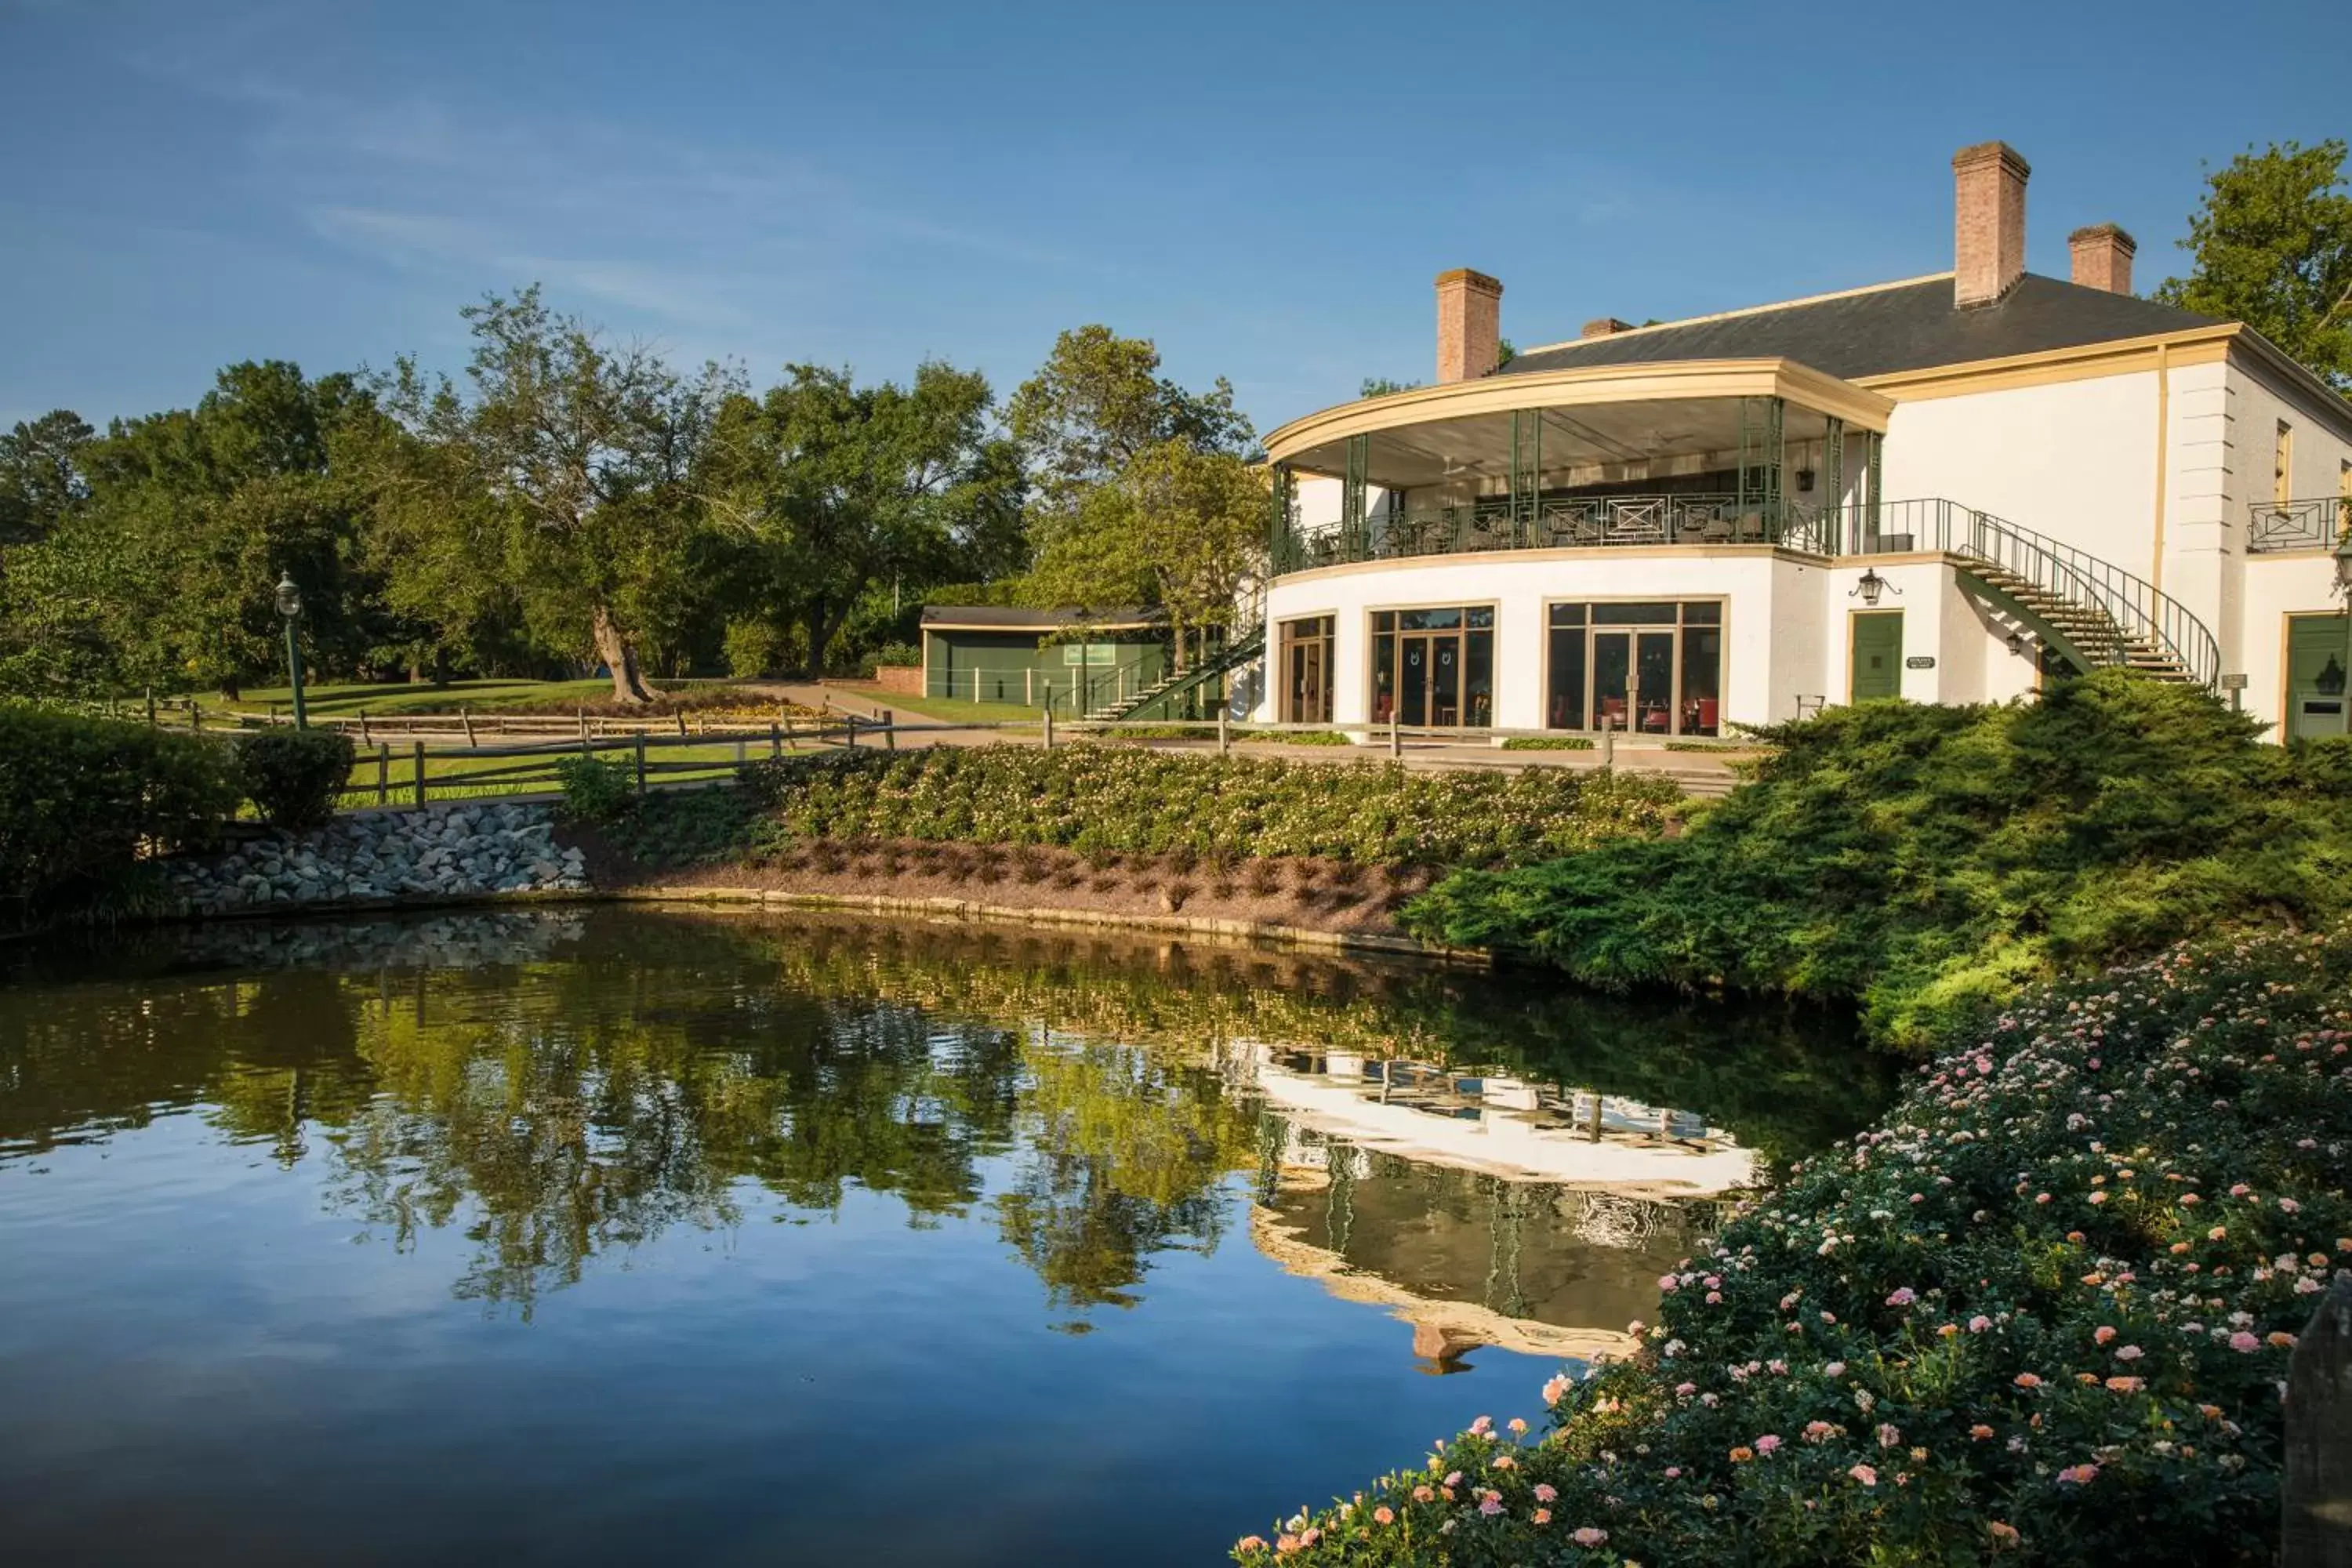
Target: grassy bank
pixel 1924 861
pixel 2042 1309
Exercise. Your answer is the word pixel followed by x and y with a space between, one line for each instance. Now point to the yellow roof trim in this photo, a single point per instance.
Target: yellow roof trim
pixel 2117 356
pixel 1752 310
pixel 1583 386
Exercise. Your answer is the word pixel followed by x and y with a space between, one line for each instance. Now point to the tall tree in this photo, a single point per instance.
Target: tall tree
pixel 41 476
pixel 585 450
pixel 2272 240
pixel 1097 402
pixel 1178 528
pixel 161 571
pixel 832 488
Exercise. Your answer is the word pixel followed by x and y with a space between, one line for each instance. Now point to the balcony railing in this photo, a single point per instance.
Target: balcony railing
pixel 2315 525
pixel 1594 523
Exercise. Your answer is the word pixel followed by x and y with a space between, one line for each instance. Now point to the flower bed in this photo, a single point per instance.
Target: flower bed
pixel 1117 800
pixel 2043 1308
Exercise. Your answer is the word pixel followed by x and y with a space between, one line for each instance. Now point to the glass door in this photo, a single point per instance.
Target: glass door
pixel 1413 681
pixel 1613 671
pixel 1654 690
pixel 1446 679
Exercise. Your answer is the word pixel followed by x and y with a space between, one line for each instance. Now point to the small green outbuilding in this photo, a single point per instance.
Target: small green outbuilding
pixel 1074 662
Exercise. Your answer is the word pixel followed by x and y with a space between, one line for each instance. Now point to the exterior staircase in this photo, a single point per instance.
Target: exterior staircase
pixel 2092 612
pixel 1169 696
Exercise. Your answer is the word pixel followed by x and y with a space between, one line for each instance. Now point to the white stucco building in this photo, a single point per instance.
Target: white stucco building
pixel 1948 489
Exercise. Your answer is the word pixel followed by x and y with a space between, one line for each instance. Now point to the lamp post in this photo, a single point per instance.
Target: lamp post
pixel 2344 586
pixel 289 609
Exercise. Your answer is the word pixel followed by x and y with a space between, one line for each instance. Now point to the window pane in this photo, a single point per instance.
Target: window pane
pixel 1635 615
pixel 1565 710
pixel 1706 613
pixel 1568 614
pixel 1430 620
pixel 1384 620
pixel 1479 617
pixel 1702 682
pixel 1383 676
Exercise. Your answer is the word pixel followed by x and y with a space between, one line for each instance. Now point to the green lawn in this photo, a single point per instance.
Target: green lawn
pixel 447 777
pixel 482 696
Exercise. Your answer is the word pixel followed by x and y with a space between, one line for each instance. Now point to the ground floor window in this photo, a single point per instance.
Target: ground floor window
pixel 1307 670
pixel 1433 668
pixel 2318 660
pixel 1655 667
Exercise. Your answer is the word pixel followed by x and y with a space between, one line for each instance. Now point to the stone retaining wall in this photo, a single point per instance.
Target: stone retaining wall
pixel 441 851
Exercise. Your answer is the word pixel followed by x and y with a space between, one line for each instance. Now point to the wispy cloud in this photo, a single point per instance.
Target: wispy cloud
pixel 680 237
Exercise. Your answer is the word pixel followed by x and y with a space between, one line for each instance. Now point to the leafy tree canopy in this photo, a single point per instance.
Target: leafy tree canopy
pixel 2273 242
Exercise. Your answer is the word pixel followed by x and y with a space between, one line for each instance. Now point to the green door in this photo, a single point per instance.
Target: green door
pixel 1876 665
pixel 2318 658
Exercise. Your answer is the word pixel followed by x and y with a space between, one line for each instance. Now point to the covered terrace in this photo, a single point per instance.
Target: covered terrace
pixel 1705 453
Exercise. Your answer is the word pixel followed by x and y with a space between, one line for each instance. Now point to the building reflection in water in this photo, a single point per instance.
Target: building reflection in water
pixel 1481 1210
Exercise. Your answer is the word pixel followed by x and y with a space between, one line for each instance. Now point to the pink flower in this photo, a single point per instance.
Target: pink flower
pixel 1455 1479
pixel 1424 1493
pixel 1864 1474
pixel 1674 1472
pixel 2288 1206
pixel 1685 1390
pixel 1384 1515
pixel 1588 1536
pixel 2079 1475
pixel 1888 1435
pixel 1835 1369
pixel 2130 1353
pixel 2244 1343
pixel 1545 1492
pixel 1767 1442
pixel 1980 1323
pixel 1555 1388
pixel 2027 1380
pixel 1518 1424
pixel 2101 1334
pixel 1480 1427
pixel 1902 1297
pixel 1667 1282
pixel 1250 1543
pixel 1492 1505
pixel 2098 1197
pixel 2125 1384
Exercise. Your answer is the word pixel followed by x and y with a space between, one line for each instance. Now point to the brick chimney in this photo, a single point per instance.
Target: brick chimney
pixel 1469 324
pixel 1605 327
pixel 2103 257
pixel 1989 222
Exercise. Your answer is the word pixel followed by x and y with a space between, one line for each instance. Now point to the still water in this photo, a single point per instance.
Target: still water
pixel 616 1236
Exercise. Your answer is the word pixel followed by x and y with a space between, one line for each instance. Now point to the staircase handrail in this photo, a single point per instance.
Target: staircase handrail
pixel 2135 608
pixel 1231 656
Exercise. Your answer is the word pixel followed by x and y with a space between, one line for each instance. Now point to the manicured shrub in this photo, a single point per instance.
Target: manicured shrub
pixel 1107 799
pixel 293 776
pixel 1547 743
pixel 83 800
pixel 2044 1307
pixel 1927 861
pixel 597 790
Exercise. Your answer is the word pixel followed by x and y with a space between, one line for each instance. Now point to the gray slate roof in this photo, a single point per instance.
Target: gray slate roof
pixel 1023 620
pixel 1913 327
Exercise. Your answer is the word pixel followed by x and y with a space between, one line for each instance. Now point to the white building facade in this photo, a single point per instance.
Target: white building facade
pixel 1951 488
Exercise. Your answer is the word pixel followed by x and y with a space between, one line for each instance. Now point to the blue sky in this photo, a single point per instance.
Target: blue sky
pixel 1265 190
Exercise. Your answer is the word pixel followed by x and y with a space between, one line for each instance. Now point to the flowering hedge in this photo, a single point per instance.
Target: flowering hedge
pixel 1113 799
pixel 2041 1314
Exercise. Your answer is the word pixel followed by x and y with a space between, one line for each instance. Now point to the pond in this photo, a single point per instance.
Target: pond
pixel 605 1236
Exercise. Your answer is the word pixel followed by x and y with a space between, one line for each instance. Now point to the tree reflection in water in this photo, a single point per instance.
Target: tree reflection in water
pixel 558 1087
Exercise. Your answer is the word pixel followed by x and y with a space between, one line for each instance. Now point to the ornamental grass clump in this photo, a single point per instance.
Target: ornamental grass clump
pixel 2042 1310
pixel 1104 800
